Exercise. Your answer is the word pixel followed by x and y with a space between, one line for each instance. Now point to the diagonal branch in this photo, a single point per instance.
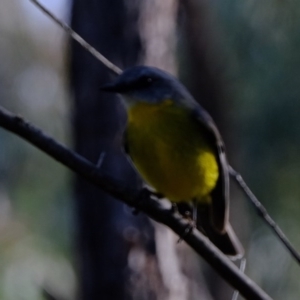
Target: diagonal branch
pixel 112 67
pixel 263 213
pixel 144 201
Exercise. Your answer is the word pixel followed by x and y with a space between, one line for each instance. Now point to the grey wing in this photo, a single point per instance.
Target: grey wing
pixel 126 149
pixel 220 194
pixel 125 143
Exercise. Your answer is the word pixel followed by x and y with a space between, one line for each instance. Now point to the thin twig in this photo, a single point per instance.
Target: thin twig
pixel 79 39
pixel 262 212
pixel 243 262
pixel 144 201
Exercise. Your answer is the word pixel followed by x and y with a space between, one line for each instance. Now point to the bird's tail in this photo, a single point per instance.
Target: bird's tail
pixel 227 241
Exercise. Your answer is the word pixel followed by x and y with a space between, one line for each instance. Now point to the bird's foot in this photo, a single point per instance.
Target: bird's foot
pixel 188 229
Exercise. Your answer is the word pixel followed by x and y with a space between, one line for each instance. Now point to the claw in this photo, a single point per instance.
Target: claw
pixel 188 229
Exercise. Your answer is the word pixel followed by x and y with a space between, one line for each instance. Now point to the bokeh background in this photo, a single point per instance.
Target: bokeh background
pixel 257 43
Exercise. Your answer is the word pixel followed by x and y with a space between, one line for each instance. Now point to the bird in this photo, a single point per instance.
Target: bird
pixel 177 149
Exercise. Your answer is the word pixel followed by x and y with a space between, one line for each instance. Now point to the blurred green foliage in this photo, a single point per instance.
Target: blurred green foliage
pixel 35 206
pixel 263 42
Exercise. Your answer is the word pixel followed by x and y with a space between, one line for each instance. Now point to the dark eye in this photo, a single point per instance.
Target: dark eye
pixel 144 81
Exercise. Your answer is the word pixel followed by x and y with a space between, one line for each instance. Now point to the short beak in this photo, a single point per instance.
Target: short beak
pixel 114 87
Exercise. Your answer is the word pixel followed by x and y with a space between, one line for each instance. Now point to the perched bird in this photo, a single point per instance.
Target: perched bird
pixel 177 149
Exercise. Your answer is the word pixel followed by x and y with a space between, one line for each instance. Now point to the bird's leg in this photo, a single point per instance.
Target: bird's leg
pixel 192 221
pixel 188 229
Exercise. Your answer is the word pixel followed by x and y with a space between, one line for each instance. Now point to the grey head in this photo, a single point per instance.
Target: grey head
pixel 150 85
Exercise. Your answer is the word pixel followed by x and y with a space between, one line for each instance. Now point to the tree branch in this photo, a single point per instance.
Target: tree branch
pixel 263 213
pixel 144 201
pixel 112 67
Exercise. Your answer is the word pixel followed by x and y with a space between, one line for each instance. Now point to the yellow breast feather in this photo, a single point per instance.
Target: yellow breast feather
pixel 156 138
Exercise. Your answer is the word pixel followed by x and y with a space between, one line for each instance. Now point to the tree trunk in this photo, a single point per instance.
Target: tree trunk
pixel 107 232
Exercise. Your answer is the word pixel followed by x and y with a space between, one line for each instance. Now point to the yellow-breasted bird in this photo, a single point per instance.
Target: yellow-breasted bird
pixel 176 147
